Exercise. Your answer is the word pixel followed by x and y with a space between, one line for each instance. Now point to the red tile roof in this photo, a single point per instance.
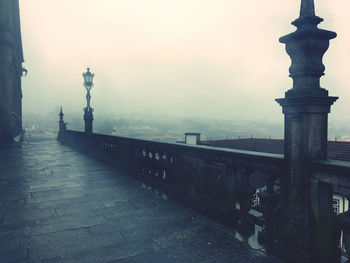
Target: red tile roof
pixel 337 150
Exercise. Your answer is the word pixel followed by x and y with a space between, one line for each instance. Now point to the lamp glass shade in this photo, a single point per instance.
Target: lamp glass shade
pixel 88 77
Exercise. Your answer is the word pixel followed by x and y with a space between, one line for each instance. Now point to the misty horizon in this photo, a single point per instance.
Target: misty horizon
pixel 200 59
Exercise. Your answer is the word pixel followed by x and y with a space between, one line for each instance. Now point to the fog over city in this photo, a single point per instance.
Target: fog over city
pixel 217 59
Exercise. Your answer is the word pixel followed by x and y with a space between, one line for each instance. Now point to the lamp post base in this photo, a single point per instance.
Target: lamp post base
pixel 88 119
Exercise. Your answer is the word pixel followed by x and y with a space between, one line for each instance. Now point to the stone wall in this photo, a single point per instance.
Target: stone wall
pixel 11 58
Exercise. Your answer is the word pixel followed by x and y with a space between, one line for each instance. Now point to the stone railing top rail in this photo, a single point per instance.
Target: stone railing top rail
pixel 331 171
pixel 264 161
pixel 179 145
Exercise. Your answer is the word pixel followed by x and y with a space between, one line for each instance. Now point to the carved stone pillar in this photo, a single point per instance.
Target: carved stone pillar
pixel 61 121
pixel 61 127
pixel 305 106
pixel 88 119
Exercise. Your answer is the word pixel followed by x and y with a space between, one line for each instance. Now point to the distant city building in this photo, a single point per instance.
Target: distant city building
pixel 193 138
pixel 337 150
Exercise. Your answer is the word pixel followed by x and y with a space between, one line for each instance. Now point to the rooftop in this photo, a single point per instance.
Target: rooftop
pixel 57 205
pixel 337 150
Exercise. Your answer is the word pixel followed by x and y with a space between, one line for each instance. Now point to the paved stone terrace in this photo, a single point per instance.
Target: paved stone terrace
pixel 57 205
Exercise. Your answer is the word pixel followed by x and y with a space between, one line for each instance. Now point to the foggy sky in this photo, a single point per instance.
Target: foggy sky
pixel 194 58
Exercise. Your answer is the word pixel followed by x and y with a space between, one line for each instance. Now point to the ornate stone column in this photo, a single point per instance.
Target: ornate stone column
pixel 61 121
pixel 304 235
pixel 61 126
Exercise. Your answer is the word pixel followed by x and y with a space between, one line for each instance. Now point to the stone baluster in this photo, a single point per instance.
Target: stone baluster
pixel 244 190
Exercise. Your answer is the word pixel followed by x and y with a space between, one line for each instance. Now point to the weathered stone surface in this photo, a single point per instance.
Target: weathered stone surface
pixel 57 205
pixel 11 58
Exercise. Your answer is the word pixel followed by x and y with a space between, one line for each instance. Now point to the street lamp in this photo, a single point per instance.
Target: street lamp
pixel 88 77
pixel 88 116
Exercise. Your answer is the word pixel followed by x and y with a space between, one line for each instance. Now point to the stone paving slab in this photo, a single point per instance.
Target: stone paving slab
pixel 57 205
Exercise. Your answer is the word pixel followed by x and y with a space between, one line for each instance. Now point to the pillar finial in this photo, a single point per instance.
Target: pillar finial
pixel 62 125
pixel 61 113
pixel 306 47
pixel 307 8
pixel 307 17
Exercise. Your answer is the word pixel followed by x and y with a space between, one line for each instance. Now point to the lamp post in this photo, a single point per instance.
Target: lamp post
pixel 88 116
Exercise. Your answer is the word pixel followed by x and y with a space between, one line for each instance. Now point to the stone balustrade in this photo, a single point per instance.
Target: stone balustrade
pixel 223 183
pixel 220 182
